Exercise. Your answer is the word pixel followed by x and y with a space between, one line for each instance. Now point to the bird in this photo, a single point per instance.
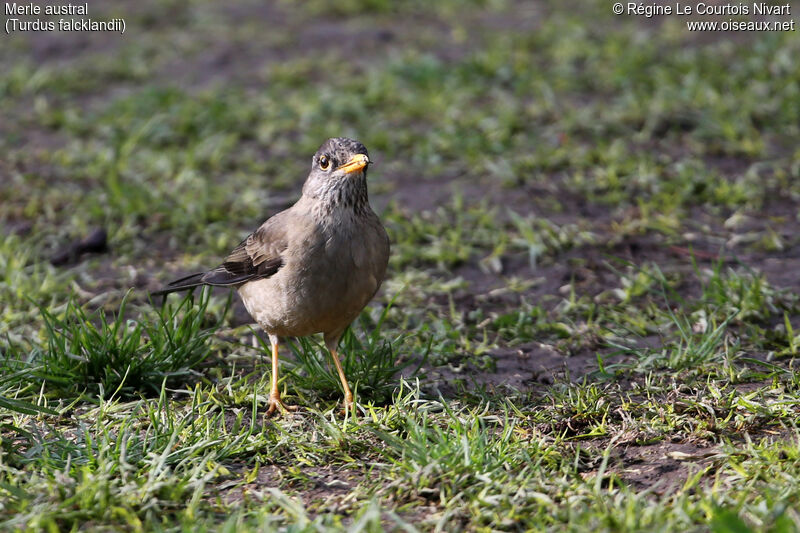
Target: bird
pixel 313 267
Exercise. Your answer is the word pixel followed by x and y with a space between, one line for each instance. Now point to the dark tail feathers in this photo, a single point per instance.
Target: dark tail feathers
pixel 189 282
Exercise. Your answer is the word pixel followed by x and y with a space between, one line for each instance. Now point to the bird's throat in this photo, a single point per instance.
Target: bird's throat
pixel 344 194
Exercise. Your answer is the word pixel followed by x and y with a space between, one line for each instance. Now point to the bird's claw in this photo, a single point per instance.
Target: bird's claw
pixel 276 405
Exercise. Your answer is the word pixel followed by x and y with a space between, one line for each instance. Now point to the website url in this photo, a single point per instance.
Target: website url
pixel 740 25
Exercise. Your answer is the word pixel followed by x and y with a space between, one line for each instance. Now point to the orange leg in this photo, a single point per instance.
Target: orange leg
pixel 348 396
pixel 275 402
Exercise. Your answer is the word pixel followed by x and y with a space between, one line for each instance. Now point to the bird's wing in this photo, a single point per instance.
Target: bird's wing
pixel 258 256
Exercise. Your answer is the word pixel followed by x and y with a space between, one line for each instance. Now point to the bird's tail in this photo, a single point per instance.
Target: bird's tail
pixel 183 284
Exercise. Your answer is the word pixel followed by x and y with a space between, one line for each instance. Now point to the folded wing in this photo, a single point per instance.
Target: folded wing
pixel 258 256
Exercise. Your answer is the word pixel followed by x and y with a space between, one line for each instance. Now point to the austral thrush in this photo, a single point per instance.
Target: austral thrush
pixel 313 267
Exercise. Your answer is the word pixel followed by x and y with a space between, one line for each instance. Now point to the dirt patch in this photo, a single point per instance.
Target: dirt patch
pixel 662 468
pixel 321 489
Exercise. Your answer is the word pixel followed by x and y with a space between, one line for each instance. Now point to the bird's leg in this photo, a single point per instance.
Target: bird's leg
pixel 348 396
pixel 275 402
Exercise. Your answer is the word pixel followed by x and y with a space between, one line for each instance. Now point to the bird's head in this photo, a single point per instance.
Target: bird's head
pixel 338 172
pixel 340 158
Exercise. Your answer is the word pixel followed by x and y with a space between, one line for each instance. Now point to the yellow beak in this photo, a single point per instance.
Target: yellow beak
pixel 356 163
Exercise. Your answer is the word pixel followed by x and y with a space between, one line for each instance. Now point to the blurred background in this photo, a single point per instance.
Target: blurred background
pixel 518 145
pixel 595 255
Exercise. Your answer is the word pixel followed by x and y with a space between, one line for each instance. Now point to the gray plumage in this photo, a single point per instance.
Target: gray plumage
pixel 313 267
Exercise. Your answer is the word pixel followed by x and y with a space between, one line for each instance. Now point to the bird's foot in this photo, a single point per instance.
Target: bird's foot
pixel 349 404
pixel 275 404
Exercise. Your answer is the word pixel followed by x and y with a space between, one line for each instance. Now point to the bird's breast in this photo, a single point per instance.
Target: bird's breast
pixel 325 283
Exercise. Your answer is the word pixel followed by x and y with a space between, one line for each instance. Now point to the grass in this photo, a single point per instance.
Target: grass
pixel 90 353
pixel 590 319
pixel 371 362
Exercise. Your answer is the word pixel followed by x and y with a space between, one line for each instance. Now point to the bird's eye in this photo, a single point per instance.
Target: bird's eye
pixel 324 162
